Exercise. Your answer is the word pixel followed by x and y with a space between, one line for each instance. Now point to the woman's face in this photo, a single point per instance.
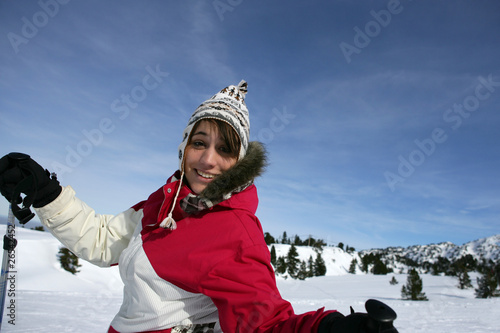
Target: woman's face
pixel 207 156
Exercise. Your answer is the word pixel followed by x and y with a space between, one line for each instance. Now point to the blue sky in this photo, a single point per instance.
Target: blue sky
pixel 381 118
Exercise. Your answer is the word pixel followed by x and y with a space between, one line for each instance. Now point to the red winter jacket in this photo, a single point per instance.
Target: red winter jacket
pixel 213 271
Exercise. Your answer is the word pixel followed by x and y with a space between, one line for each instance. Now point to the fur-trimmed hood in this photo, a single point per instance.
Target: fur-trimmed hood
pixel 240 175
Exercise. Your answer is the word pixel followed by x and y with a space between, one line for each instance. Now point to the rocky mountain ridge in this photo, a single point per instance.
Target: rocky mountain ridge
pixel 426 258
pixel 482 249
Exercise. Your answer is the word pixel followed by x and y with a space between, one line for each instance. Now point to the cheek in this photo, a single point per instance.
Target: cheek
pixel 189 157
pixel 227 163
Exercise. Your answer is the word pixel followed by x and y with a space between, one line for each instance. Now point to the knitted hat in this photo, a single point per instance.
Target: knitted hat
pixel 227 105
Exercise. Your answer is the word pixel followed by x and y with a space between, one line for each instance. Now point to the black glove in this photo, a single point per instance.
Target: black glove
pixel 378 320
pixel 21 174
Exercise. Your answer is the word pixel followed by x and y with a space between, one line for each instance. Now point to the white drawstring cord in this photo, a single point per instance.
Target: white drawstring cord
pixel 169 222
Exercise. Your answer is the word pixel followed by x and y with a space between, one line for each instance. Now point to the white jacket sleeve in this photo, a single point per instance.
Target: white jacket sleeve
pixel 99 239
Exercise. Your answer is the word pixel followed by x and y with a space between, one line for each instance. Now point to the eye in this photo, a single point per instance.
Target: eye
pixel 225 150
pixel 198 144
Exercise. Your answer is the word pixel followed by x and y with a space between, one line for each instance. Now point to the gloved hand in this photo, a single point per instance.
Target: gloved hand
pixel 379 319
pixel 21 174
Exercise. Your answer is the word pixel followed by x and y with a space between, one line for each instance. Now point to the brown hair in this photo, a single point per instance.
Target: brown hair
pixel 226 131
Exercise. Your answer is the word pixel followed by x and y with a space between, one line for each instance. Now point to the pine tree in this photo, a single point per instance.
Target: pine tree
pixel 310 241
pixel 369 259
pixel 393 281
pixel 318 245
pixel 284 239
pixel 319 266
pixel 464 279
pixel 281 265
pixel 352 267
pixel 68 260
pixel 483 290
pixel 310 267
pixel 486 284
pixel 273 256
pixel 292 261
pixel 465 262
pixel 365 262
pixel 413 288
pixel 441 265
pixel 302 273
pixel 379 268
pixel 269 239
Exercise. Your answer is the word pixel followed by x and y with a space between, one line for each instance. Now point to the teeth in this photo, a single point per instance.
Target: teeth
pixel 205 175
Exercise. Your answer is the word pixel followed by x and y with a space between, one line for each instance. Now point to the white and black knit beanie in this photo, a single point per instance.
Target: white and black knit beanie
pixel 227 105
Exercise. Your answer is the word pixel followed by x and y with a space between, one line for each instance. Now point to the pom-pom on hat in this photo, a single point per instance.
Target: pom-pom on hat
pixel 227 105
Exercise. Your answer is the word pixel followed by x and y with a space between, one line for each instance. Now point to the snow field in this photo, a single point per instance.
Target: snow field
pixel 49 299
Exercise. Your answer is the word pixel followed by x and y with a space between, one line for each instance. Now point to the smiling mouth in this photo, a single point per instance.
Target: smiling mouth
pixel 205 175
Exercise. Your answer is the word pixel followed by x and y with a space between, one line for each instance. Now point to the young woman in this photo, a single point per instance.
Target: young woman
pixel 192 256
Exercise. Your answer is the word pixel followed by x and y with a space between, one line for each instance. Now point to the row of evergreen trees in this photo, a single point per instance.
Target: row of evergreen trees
pixel 297 241
pixel 294 240
pixel 487 285
pixel 374 263
pixel 291 265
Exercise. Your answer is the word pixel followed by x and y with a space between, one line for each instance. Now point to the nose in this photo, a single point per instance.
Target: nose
pixel 208 158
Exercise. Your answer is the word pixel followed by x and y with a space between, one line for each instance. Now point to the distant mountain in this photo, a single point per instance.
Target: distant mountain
pixel 399 259
pixel 482 249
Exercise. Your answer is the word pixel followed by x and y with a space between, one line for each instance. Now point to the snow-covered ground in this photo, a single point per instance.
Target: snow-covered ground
pixel 49 299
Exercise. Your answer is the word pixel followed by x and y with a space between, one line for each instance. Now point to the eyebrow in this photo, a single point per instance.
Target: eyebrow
pixel 205 134
pixel 200 133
